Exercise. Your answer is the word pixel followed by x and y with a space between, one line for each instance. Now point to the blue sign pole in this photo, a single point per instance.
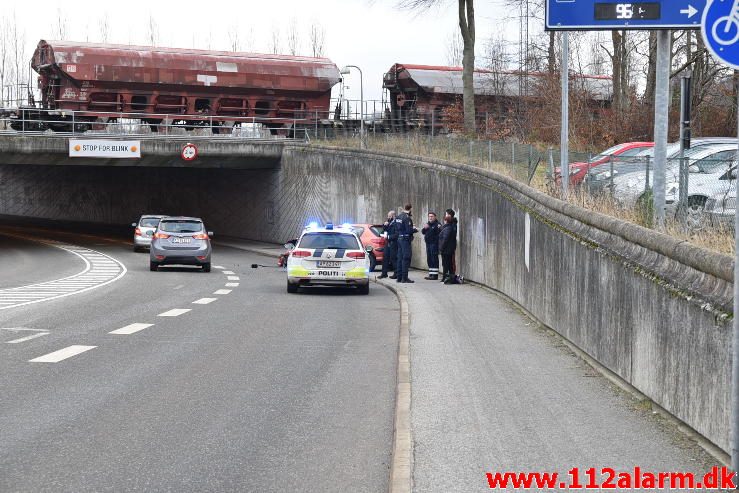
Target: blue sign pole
pixel 720 29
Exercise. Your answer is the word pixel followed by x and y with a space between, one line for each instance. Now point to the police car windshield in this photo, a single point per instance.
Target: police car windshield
pixel 329 240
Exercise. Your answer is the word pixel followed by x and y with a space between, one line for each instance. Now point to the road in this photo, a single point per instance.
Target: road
pixel 240 388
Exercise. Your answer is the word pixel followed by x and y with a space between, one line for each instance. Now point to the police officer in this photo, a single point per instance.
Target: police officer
pixel 390 252
pixel 431 236
pixel 405 230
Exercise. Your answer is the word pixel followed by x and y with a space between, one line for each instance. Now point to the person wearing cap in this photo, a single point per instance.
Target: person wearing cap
pixel 431 236
pixel 405 230
pixel 448 247
pixel 390 252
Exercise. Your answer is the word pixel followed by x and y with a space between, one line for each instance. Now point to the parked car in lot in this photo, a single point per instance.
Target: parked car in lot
pixel 180 241
pixel 720 208
pixel 579 170
pixel 707 164
pixel 145 227
pixel 328 256
pixel 598 181
pixel 370 236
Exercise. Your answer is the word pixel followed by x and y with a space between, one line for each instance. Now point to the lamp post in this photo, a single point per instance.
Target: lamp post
pixel 346 71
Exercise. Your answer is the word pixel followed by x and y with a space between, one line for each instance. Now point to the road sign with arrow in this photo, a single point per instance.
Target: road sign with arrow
pixel 571 15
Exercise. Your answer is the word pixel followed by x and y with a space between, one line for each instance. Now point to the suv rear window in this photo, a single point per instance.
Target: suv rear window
pixel 149 222
pixel 181 226
pixel 338 241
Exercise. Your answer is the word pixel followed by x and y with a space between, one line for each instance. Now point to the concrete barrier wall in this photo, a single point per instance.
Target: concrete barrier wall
pixel 652 309
pixel 649 308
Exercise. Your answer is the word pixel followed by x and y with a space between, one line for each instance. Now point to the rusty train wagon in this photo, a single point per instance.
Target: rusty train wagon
pixel 102 82
pixel 419 94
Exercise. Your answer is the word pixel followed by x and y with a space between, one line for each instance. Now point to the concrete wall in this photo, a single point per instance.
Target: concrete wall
pixel 654 310
pixel 649 308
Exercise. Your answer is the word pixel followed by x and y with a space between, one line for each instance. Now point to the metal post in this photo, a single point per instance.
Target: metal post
pixel 550 161
pixel 433 122
pixel 490 153
pixel 564 152
pixel 661 108
pixel 734 442
pixel 448 147
pixel 684 143
pixel 469 154
pixel 647 185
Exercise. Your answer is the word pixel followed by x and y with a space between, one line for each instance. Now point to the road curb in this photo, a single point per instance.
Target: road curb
pixel 401 470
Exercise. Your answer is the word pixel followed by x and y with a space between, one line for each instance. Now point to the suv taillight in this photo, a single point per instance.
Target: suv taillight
pixel 355 255
pixel 137 232
pixel 161 236
pixel 300 253
pixel 200 236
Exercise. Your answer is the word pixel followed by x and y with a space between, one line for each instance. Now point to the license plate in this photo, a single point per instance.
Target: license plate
pixel 329 264
pixel 180 240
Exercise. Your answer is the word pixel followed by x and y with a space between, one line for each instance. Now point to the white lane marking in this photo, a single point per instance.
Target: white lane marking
pixel 228 272
pixel 218 267
pixel 233 278
pixel 62 354
pixel 222 291
pixel 232 285
pixel 204 301
pixel 130 329
pixel 27 338
pixel 99 270
pixel 175 312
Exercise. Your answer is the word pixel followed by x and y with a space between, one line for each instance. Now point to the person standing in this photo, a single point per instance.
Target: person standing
pixel 390 252
pixel 405 230
pixel 431 237
pixel 448 247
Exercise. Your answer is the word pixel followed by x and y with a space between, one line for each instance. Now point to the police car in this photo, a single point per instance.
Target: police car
pixel 328 256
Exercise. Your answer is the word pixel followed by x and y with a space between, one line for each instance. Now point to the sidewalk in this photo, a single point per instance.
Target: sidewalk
pixel 493 392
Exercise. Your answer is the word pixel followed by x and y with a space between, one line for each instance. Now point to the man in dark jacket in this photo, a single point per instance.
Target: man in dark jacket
pixel 431 237
pixel 389 253
pixel 448 247
pixel 405 230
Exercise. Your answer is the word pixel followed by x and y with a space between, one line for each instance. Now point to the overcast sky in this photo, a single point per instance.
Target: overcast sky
pixel 372 34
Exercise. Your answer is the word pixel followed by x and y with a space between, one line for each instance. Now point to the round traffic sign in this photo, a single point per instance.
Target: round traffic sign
pixel 189 152
pixel 720 28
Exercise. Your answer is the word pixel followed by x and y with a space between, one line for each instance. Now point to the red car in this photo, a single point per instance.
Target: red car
pixel 369 235
pixel 578 171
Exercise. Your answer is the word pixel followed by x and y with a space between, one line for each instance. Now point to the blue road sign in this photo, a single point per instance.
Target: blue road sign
pixel 720 28
pixel 573 15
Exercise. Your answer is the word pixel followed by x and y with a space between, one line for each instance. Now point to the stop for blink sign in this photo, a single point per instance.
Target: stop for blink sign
pixel 574 15
pixel 122 149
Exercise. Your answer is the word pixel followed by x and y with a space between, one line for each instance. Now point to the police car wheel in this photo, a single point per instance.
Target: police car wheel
pixel 363 289
pixel 373 263
pixel 292 288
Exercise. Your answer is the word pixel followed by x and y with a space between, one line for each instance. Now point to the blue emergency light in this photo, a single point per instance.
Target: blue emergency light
pixel 329 226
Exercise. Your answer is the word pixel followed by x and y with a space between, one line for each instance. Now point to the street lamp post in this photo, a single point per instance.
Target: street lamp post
pixel 346 71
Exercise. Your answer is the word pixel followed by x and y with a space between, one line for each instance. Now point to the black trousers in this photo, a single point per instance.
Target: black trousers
pixel 447 264
pixel 390 257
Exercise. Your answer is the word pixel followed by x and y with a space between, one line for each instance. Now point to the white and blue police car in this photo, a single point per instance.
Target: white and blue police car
pixel 328 256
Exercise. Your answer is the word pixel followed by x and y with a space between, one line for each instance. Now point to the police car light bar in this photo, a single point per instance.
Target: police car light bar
pixel 313 225
pixel 329 226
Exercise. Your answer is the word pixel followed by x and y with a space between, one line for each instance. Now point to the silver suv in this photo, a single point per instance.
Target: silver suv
pixel 145 227
pixel 180 241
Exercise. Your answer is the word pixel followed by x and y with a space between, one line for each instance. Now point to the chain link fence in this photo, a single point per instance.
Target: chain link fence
pixel 700 188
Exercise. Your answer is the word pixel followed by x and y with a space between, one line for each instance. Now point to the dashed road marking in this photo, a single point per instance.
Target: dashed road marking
pixel 228 272
pixel 204 301
pixel 175 312
pixel 233 278
pixel 62 354
pixel 130 329
pixel 218 267
pixel 222 291
pixel 232 284
pixel 27 338
pixel 99 271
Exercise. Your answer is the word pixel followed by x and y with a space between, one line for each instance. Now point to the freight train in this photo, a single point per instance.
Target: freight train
pixel 84 86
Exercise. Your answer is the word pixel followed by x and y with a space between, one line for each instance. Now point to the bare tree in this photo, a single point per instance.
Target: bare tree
pixel 293 37
pixel 274 42
pixel 18 41
pixel 153 32
pixel 317 39
pixel 104 28
pixel 454 49
pixel 3 58
pixel 60 30
pixel 466 19
pixel 234 43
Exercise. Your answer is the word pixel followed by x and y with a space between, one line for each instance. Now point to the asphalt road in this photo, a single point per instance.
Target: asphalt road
pixel 252 389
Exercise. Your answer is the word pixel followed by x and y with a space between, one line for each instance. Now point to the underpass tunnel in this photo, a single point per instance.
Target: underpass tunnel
pixel 232 202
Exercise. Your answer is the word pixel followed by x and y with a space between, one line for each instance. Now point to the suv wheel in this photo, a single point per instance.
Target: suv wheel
pixel 206 267
pixel 373 263
pixel 292 288
pixel 153 266
pixel 363 288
